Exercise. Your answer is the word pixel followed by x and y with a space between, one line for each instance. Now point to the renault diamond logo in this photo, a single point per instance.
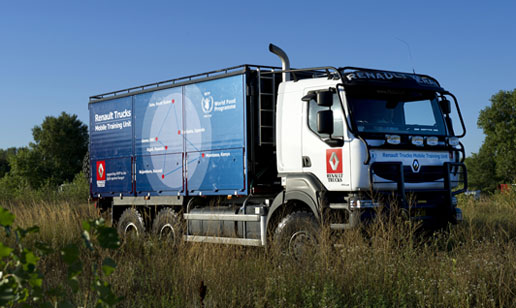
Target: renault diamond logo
pixel 101 170
pixel 415 166
pixel 333 165
pixel 101 173
pixel 334 161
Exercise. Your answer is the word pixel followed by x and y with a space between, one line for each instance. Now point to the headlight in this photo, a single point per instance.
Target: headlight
pixel 432 141
pixel 453 141
pixel 417 140
pixel 393 139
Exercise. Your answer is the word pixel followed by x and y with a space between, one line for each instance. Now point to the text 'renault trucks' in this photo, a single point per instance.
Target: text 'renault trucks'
pixel 252 153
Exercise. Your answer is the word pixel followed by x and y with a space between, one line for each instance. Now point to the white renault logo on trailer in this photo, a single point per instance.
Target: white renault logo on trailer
pixel 101 170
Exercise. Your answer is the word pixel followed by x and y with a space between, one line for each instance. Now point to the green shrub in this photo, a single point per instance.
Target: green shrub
pixel 15 189
pixel 21 281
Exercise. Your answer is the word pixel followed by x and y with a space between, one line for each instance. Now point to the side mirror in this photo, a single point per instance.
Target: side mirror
pixel 310 96
pixel 325 99
pixel 325 122
pixel 445 106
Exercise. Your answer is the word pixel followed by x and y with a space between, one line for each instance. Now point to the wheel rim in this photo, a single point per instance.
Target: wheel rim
pixel 300 243
pixel 167 232
pixel 131 230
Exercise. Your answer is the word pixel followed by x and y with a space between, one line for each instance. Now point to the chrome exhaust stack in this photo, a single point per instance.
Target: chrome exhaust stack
pixel 285 63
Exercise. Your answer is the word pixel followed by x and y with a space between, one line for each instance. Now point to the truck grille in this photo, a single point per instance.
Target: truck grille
pixel 425 174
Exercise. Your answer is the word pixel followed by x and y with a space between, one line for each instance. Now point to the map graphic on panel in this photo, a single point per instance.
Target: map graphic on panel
pixel 158 140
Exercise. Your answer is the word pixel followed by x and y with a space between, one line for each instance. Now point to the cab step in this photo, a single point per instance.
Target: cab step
pixel 339 206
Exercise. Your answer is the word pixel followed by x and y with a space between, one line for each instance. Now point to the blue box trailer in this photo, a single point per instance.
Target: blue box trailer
pixel 183 140
pixel 195 152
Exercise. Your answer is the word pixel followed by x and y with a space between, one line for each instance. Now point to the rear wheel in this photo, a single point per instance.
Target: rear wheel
pixel 297 234
pixel 130 224
pixel 167 226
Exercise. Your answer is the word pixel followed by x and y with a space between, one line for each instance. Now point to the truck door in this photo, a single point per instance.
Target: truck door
pixel 327 161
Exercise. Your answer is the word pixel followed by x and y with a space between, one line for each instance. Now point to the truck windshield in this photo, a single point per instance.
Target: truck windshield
pixel 397 115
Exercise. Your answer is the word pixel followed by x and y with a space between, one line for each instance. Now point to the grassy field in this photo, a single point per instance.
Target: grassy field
pixel 472 265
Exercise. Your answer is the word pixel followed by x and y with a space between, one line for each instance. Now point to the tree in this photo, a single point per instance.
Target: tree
pixel 27 167
pixel 4 160
pixel 481 170
pixel 496 161
pixel 56 154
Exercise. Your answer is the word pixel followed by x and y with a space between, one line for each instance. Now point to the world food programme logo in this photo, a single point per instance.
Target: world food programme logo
pixel 415 166
pixel 207 103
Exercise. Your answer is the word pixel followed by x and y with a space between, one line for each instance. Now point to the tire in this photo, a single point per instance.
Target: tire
pixel 297 234
pixel 131 224
pixel 167 226
pixel 86 165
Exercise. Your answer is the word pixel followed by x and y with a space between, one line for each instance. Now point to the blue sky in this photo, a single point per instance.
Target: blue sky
pixel 54 55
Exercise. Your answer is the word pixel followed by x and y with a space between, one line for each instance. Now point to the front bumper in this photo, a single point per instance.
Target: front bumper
pixel 432 206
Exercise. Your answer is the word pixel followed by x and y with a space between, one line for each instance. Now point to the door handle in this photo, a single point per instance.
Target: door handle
pixel 306 162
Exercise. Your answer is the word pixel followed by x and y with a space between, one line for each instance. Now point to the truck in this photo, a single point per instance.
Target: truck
pixel 254 155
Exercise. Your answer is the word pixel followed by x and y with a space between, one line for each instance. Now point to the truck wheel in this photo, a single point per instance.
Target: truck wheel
pixel 130 224
pixel 167 226
pixel 86 165
pixel 297 234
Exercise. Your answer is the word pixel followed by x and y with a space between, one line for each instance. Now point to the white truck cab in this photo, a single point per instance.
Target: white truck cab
pixel 362 135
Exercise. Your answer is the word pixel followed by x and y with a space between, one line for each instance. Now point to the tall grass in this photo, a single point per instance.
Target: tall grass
pixel 15 189
pixel 474 264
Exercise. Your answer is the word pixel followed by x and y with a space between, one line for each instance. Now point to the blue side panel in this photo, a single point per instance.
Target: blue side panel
pixel 111 146
pixel 111 177
pixel 188 140
pixel 219 172
pixel 157 122
pixel 111 128
pixel 215 114
pixel 215 136
pixel 159 174
pixel 158 142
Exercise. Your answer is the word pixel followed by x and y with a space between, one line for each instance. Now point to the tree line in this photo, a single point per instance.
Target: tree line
pixel 495 162
pixel 53 158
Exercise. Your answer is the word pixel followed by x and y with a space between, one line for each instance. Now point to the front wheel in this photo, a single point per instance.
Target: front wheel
pixel 297 234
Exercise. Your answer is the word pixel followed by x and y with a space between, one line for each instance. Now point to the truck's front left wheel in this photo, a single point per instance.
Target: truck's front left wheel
pixel 297 234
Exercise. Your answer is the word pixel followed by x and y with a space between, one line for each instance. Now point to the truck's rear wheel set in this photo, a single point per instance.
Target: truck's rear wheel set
pixel 130 224
pixel 167 226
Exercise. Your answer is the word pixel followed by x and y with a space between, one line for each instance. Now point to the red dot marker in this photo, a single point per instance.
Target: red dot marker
pixel 179 132
pixel 202 154
pixel 162 176
pixel 166 147
pixel 156 138
pixel 173 101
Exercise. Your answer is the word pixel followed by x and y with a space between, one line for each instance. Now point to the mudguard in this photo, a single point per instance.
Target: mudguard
pixel 303 187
